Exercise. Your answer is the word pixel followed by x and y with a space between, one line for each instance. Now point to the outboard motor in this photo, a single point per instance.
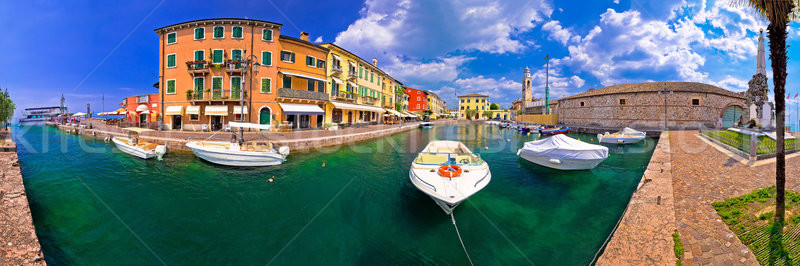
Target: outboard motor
pixel 283 150
pixel 160 151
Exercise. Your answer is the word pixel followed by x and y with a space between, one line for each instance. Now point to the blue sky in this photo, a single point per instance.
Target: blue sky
pixel 85 49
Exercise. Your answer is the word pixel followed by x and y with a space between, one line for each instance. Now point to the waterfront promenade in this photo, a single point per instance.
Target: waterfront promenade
pixel 296 140
pixel 701 175
pixel 20 245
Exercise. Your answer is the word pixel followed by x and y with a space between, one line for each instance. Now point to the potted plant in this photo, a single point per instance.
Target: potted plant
pixel 188 95
pixel 330 126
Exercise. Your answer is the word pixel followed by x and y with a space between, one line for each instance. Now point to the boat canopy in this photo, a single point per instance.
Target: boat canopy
pixel 249 125
pixel 564 147
pixel 301 109
pixel 631 131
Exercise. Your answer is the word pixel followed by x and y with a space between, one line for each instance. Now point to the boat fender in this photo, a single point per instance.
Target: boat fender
pixel 555 161
pixel 160 151
pixel 283 150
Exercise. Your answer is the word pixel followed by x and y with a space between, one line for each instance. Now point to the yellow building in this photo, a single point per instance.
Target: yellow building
pixel 473 101
pixel 355 89
pixel 436 105
pixel 502 114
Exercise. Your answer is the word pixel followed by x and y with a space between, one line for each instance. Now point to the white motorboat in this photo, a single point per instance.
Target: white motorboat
pixel 426 124
pixel 139 148
pixel 563 153
pixel 626 136
pixel 239 153
pixel 449 173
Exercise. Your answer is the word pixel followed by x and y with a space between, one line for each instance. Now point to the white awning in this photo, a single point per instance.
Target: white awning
pixel 352 63
pixel 337 57
pixel 142 108
pixel 359 107
pixel 216 110
pixel 238 110
pixel 301 109
pixel 353 84
pixel 394 112
pixel 193 110
pixel 410 114
pixel 337 80
pixel 302 76
pixel 173 110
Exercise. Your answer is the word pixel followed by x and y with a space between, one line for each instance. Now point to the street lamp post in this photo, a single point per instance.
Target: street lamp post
pixel 249 64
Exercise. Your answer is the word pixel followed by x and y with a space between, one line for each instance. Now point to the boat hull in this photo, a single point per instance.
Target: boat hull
pixel 554 132
pixel 617 140
pixel 133 150
pixel 561 164
pixel 235 158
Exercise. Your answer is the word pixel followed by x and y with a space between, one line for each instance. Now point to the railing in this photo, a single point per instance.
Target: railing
pixel 352 75
pixel 199 66
pixel 302 94
pixel 238 65
pixel 336 70
pixel 737 141
pixel 215 95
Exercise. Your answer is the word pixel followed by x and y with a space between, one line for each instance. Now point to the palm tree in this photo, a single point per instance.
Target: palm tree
pixel 779 13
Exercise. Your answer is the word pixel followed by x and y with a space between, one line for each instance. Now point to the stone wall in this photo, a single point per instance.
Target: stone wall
pixel 646 110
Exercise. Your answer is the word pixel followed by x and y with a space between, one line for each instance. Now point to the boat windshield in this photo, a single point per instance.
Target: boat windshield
pixel 452 158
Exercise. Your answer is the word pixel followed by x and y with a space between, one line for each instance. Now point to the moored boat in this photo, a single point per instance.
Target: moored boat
pixel 625 136
pixel 554 131
pixel 449 173
pixel 134 146
pixel 426 124
pixel 240 153
pixel 563 153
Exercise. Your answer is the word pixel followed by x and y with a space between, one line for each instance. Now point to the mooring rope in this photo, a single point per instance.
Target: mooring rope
pixel 460 240
pixel 603 246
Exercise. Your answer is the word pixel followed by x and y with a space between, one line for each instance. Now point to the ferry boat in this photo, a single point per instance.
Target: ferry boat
pixel 449 173
pixel 37 116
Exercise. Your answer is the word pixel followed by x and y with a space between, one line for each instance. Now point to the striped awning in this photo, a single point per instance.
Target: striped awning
pixel 173 110
pixel 216 110
pixel 393 112
pixel 238 110
pixel 337 80
pixel 193 110
pixel 301 109
pixel 358 107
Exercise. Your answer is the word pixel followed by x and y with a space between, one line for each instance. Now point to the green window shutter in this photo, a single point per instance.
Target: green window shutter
pixel 236 54
pixel 237 32
pixel 292 57
pixel 372 77
pixel 360 72
pixel 170 86
pixel 236 85
pixel 266 35
pixel 217 56
pixel 217 83
pixel 199 55
pixel 266 58
pixel 266 86
pixel 219 32
pixel 172 38
pixel 199 33
pixel 171 60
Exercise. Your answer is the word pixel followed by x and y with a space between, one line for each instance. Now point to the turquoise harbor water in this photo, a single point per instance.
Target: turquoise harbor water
pixel 92 204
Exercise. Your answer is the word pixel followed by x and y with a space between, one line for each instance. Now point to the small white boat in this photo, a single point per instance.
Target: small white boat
pixel 239 153
pixel 563 153
pixel 626 136
pixel 139 148
pixel 426 125
pixel 449 173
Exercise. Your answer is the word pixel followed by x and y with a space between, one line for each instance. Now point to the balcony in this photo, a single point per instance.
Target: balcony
pixel 352 76
pixel 344 96
pixel 238 66
pixel 197 67
pixel 289 93
pixel 336 70
pixel 368 99
pixel 216 95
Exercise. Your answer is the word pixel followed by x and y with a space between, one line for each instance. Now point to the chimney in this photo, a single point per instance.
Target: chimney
pixel 374 62
pixel 304 35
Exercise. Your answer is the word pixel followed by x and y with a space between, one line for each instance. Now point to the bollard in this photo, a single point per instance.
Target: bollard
pixel 753 146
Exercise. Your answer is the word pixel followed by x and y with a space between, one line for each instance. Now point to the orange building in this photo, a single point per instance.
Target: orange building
pixel 302 79
pixel 142 110
pixel 203 73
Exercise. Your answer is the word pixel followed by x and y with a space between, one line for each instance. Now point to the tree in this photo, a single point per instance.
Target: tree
pixel 494 106
pixel 7 108
pixel 779 13
pixel 488 114
pixel 471 113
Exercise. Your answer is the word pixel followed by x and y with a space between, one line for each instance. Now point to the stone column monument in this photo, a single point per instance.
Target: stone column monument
pixel 759 109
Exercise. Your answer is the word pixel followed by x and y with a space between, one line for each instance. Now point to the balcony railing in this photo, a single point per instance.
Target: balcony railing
pixel 336 70
pixel 290 93
pixel 216 95
pixel 238 65
pixel 352 75
pixel 197 67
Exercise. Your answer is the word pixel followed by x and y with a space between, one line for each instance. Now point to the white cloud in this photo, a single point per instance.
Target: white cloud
pixel 502 90
pixel 557 32
pixel 732 83
pixel 416 72
pixel 318 39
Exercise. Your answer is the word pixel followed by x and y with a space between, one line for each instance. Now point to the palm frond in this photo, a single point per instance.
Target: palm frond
pixel 771 10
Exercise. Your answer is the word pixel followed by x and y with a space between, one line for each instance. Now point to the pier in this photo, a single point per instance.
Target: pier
pixel 19 241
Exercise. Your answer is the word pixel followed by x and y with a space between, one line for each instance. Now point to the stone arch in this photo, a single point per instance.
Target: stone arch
pixel 722 113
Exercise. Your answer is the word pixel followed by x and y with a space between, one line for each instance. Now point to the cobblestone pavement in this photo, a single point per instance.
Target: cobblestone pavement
pixel 703 175
pixel 644 236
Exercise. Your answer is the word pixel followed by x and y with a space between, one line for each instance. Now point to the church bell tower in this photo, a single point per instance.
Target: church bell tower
pixel 527 89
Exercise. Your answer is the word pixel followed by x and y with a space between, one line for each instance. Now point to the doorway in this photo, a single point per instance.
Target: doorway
pixel 264 116
pixel 216 123
pixel 176 122
pixel 143 119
